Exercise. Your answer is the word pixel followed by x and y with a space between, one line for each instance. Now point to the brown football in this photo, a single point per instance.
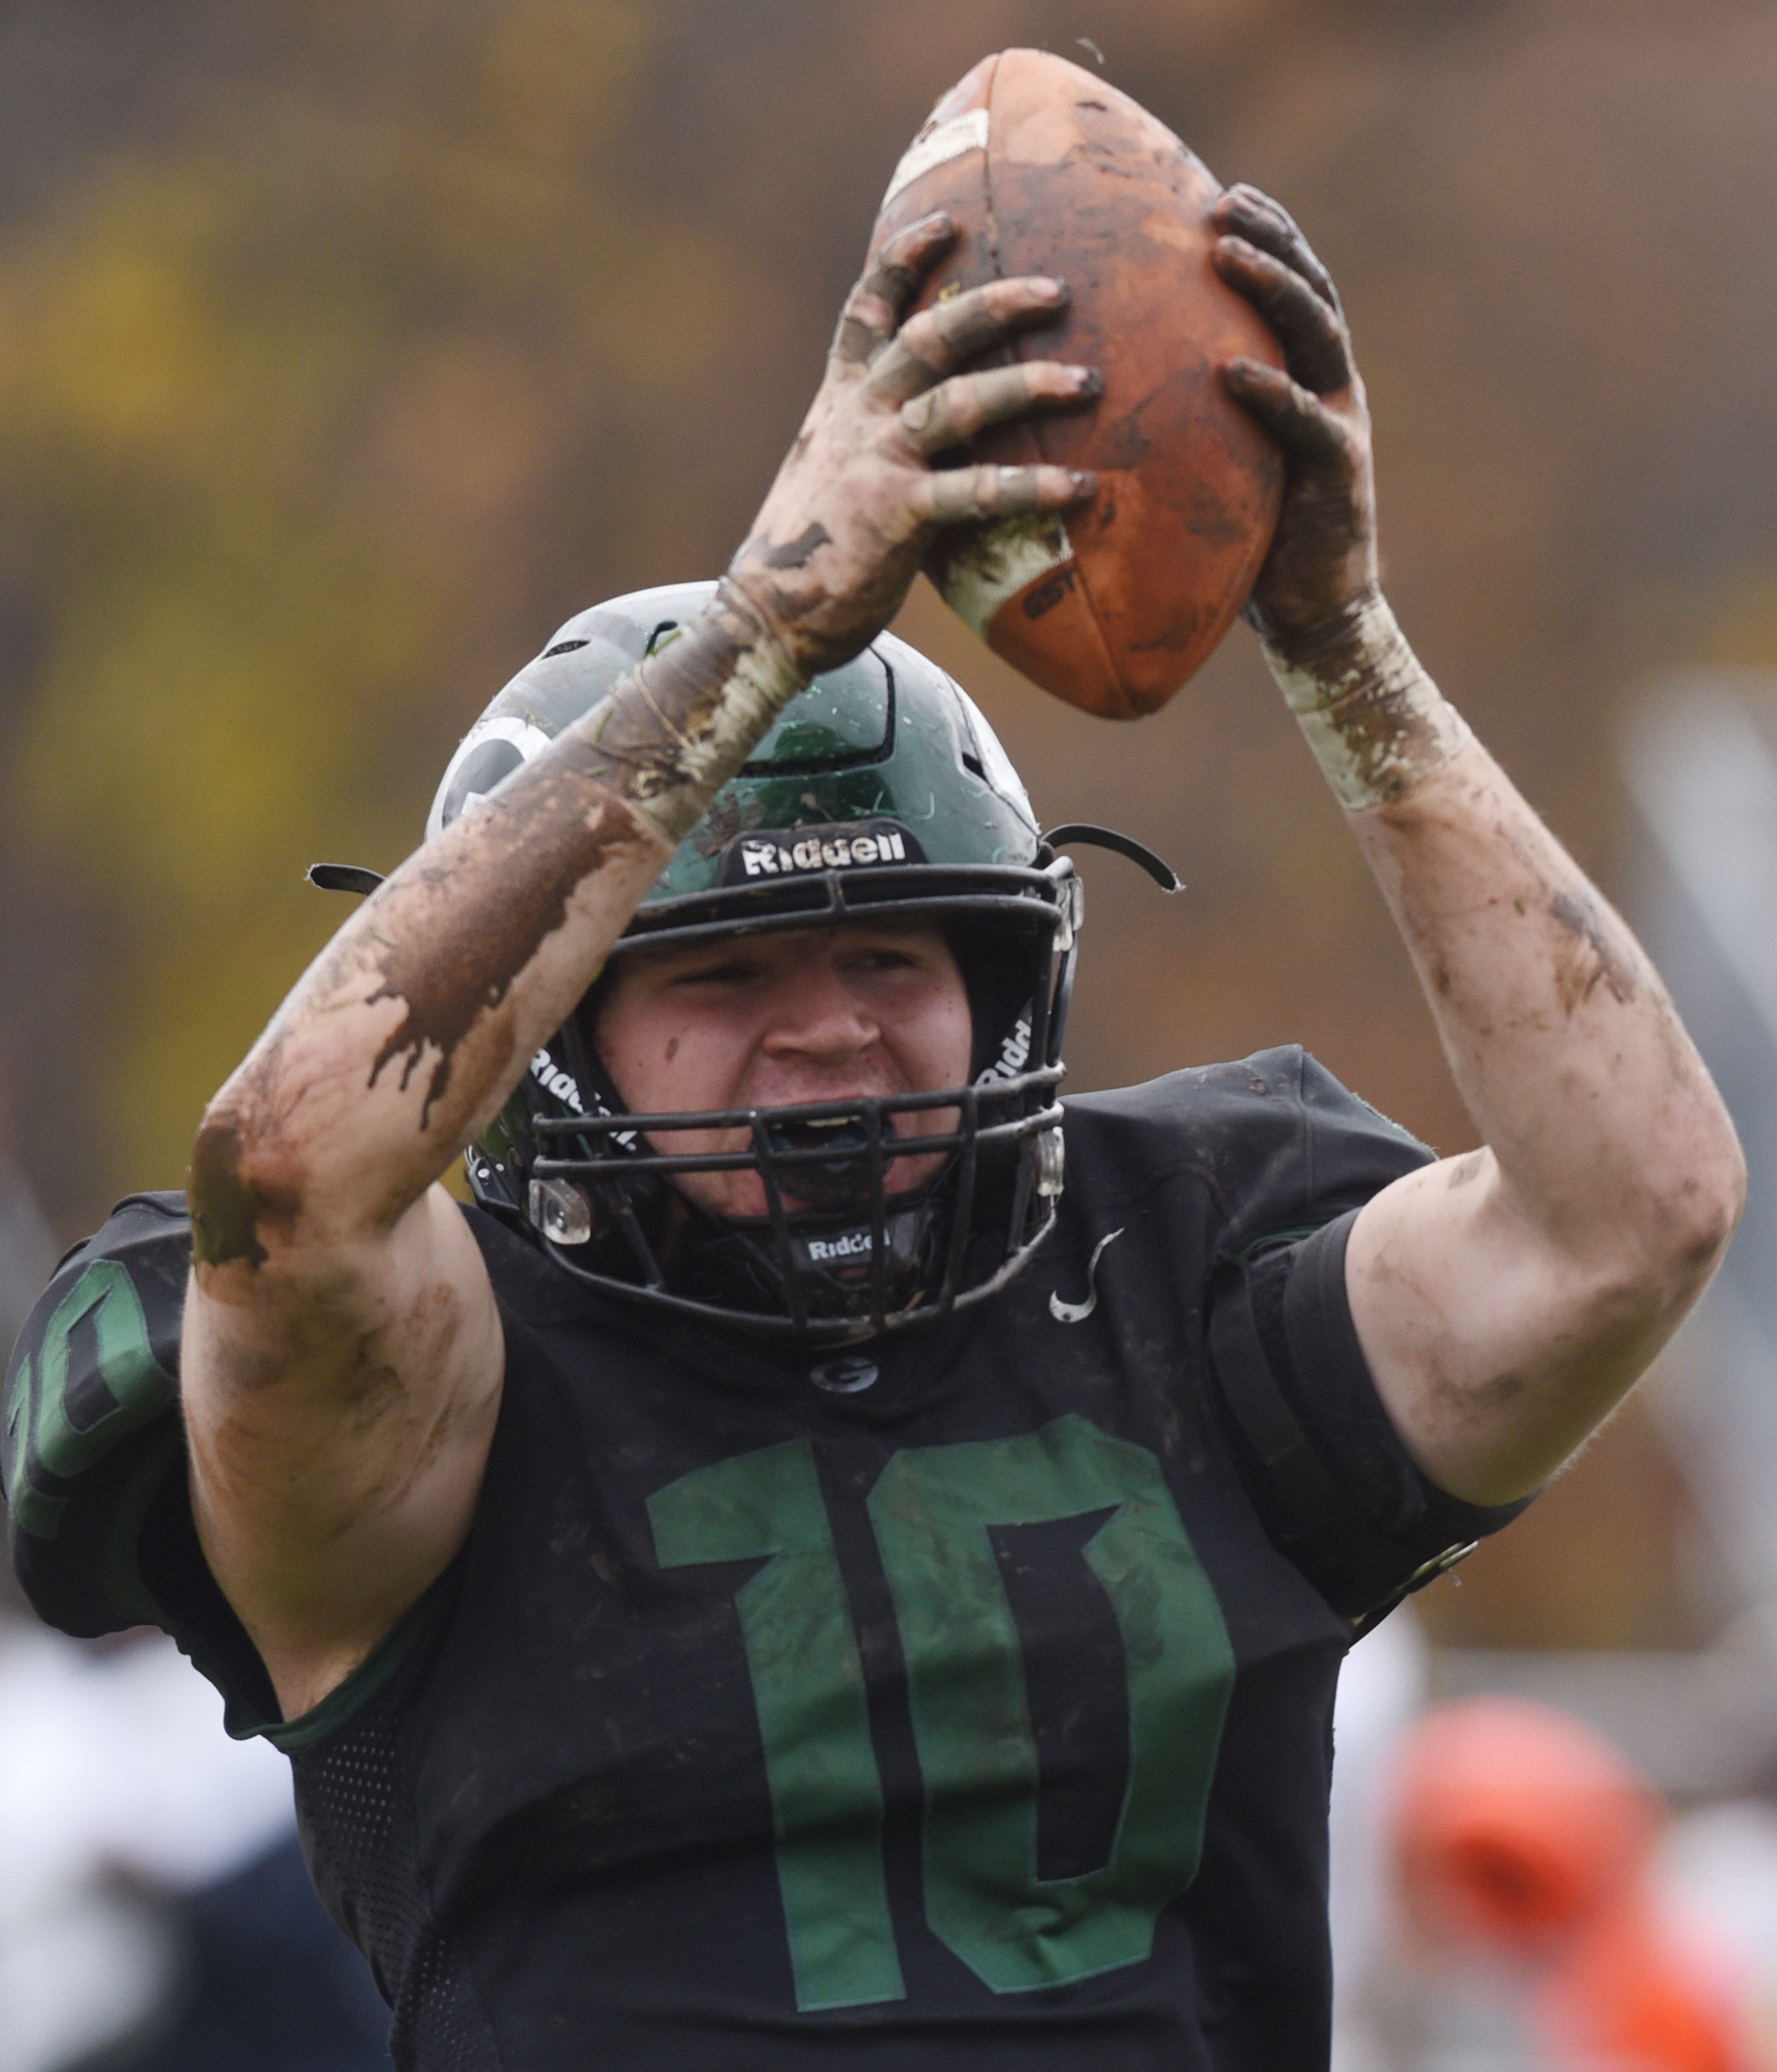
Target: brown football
pixel 1047 170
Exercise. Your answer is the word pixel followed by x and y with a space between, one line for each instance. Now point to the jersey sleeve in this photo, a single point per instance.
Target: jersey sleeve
pixel 92 1456
pixel 1335 1488
pixel 1291 1155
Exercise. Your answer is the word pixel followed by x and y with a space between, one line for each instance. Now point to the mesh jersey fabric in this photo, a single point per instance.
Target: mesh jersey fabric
pixel 979 1717
pixel 359 1836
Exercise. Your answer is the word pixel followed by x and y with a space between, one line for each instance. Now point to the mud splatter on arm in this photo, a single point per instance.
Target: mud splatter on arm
pixel 1505 1317
pixel 343 1354
pixel 474 950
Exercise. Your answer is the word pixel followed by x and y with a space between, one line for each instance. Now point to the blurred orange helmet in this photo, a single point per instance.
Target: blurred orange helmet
pixel 1515 1824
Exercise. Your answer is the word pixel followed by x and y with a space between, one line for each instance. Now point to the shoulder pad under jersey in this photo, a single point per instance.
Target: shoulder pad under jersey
pixel 92 1421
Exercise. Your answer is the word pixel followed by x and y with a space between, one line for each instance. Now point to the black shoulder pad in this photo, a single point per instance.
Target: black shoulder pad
pixel 91 1425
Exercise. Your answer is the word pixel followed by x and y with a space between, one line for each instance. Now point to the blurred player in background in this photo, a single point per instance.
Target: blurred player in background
pixel 837 1558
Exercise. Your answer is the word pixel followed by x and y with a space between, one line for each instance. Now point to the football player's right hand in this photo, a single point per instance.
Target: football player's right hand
pixel 858 500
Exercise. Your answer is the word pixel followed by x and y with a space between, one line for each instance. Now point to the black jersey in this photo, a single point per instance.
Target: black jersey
pixel 963 1702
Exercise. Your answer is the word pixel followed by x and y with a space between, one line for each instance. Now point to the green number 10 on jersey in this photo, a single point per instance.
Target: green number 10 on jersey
pixel 931 1511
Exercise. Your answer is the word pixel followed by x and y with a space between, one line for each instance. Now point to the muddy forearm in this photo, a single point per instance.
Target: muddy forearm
pixel 412 1028
pixel 677 730
pixel 1564 1043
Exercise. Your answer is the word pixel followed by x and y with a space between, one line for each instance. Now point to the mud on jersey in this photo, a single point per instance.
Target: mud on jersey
pixel 962 1702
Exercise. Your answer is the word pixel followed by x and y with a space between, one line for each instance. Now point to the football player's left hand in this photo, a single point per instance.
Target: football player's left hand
pixel 1323 559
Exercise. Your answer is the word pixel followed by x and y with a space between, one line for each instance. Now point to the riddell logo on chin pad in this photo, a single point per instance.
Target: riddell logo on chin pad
pixel 799 852
pixel 854 1244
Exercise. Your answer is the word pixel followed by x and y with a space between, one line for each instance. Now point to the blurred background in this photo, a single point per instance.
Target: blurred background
pixel 347 349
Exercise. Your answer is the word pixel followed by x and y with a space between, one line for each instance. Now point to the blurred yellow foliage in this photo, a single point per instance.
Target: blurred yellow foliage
pixel 284 413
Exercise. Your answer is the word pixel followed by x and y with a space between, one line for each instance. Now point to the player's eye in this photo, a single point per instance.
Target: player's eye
pixel 724 971
pixel 884 957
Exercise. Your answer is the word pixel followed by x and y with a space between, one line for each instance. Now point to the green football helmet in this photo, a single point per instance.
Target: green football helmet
pixel 880 788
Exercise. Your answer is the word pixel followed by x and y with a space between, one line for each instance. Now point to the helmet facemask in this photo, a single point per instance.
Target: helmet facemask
pixel 880 790
pixel 836 1257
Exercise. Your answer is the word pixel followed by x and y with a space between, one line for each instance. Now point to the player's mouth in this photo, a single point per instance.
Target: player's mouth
pixel 840 1178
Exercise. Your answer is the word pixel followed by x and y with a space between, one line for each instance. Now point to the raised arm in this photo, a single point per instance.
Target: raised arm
pixel 342 1360
pixel 1506 1300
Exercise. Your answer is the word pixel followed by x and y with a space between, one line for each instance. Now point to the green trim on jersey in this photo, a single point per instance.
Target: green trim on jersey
pixel 347 1700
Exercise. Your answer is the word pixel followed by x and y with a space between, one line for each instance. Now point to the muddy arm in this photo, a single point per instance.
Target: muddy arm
pixel 1507 1299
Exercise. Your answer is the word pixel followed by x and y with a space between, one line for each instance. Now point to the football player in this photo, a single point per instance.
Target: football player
pixel 840 1558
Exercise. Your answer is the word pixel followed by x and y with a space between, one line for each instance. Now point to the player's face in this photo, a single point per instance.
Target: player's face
pixel 768 1020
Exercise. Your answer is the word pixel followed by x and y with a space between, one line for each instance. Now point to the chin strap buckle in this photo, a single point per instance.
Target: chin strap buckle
pixel 561 1211
pixel 1051 1163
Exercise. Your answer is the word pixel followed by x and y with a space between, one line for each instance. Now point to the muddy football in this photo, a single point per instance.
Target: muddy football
pixel 1045 169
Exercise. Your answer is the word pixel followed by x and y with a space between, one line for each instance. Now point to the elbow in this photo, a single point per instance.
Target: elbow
pixel 1694 1214
pixel 240 1190
pixel 283 1181
pixel 1722 1202
pixel 1655 1228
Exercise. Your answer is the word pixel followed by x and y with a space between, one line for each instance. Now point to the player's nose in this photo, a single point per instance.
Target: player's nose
pixel 817 1015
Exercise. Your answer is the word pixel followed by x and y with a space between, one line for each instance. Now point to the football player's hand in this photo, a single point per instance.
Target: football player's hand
pixel 1323 558
pixel 859 500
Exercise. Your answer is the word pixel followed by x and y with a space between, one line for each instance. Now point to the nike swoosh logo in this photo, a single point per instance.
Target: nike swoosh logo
pixel 1077 1312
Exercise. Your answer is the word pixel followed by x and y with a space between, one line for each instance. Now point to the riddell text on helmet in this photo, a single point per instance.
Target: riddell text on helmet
pixel 825 845
pixel 834 853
